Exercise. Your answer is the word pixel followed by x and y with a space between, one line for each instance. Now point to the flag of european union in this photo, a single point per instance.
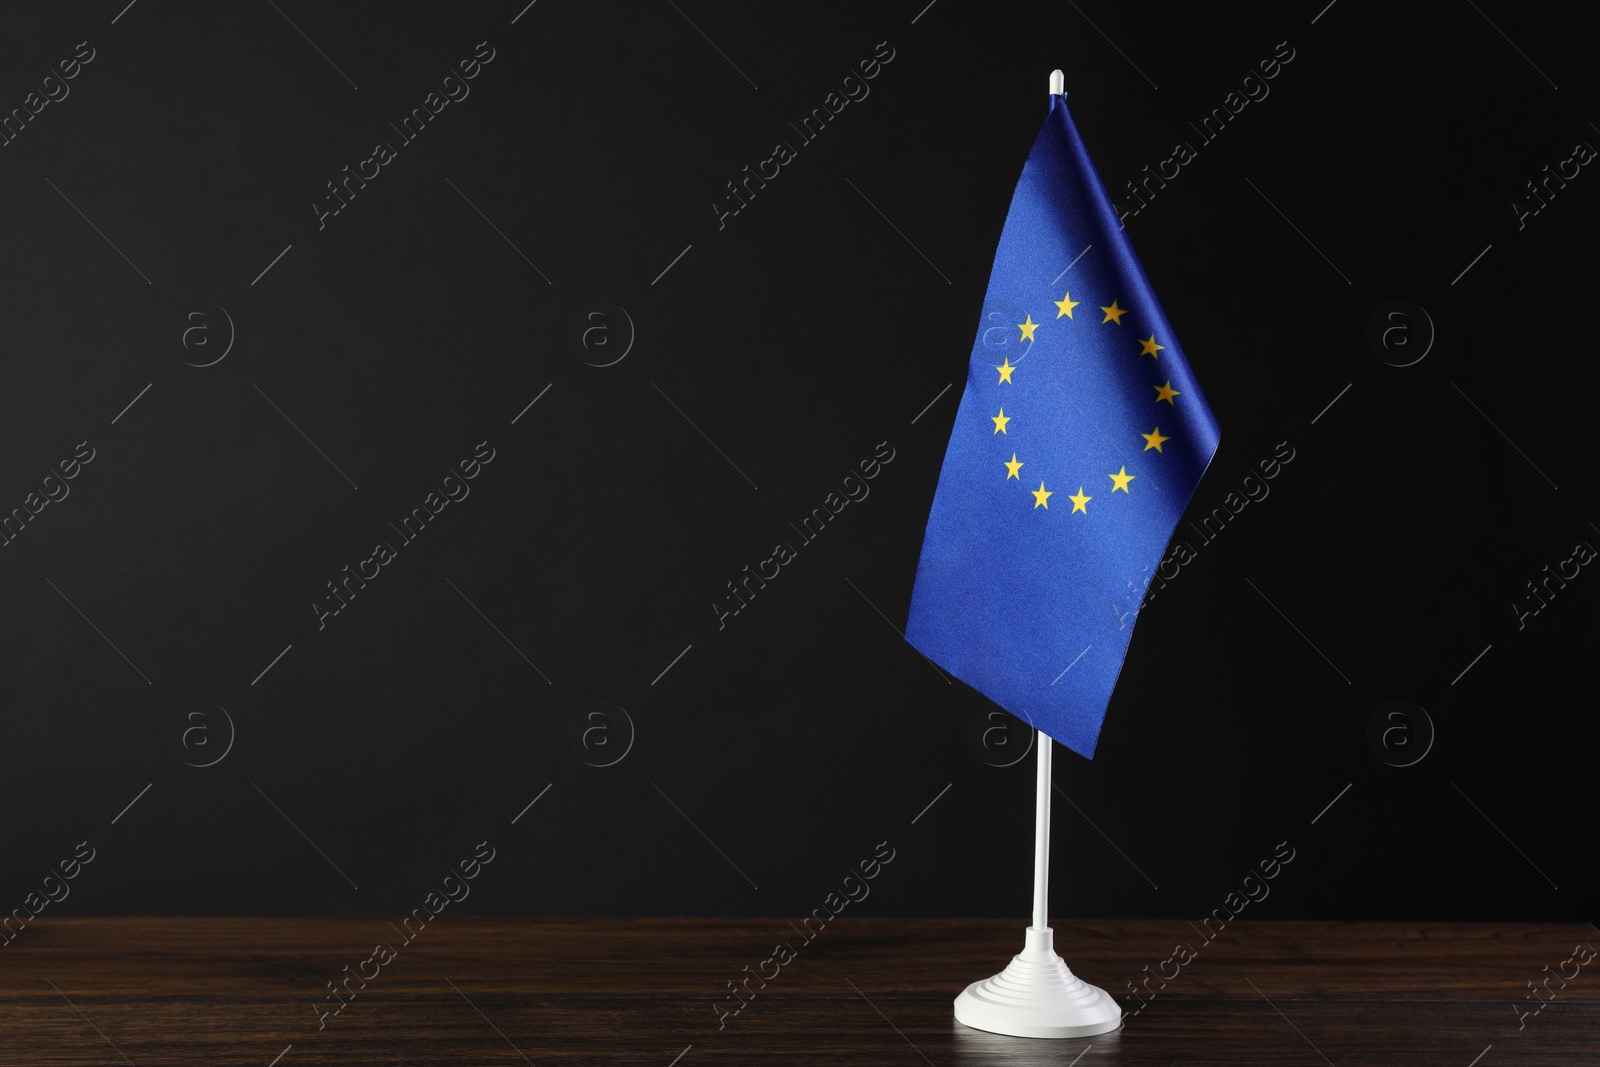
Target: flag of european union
pixel 1080 438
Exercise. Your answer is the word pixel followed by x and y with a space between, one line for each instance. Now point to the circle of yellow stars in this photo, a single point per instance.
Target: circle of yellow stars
pixel 1148 346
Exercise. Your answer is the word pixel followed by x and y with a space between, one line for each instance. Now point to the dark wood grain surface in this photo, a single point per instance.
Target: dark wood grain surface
pixel 155 991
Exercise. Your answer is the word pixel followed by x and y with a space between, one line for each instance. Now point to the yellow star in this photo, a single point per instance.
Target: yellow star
pixel 1121 479
pixel 1041 497
pixel 1153 439
pixel 1165 392
pixel 1001 419
pixel 1066 304
pixel 1113 314
pixel 1080 501
pixel 1013 467
pixel 1005 370
pixel 1027 328
pixel 1150 347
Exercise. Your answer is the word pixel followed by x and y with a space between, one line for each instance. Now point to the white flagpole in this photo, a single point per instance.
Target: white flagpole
pixel 1041 834
pixel 1037 995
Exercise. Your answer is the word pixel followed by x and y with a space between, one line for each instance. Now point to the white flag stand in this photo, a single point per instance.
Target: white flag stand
pixel 1036 995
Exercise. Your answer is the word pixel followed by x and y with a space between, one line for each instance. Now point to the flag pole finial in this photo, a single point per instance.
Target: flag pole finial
pixel 1058 83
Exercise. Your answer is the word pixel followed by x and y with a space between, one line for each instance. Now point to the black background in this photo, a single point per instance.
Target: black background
pixel 796 338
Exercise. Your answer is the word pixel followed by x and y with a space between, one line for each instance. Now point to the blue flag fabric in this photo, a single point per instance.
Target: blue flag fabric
pixel 1080 438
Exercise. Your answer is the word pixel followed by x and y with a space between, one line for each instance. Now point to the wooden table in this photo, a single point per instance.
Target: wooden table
pixel 166 991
